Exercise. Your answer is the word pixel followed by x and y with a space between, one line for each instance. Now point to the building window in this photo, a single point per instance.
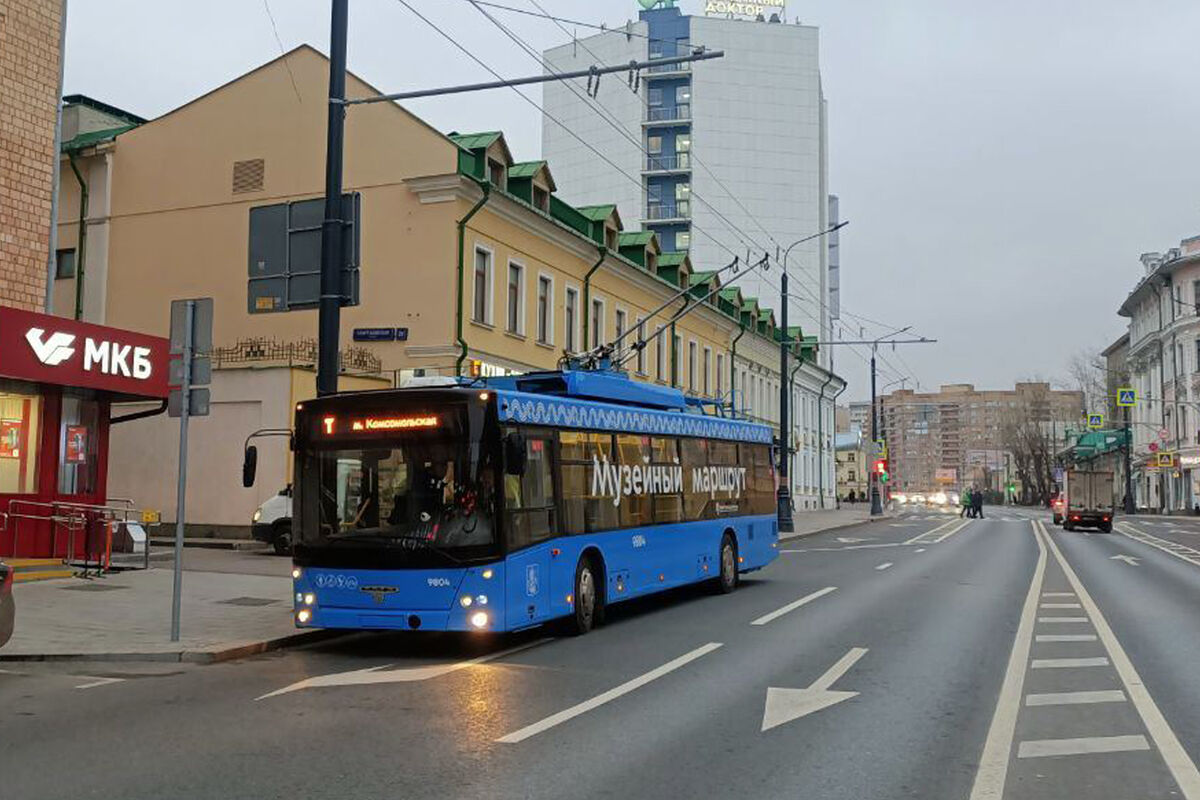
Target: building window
pixel 683 193
pixel 654 145
pixel 516 298
pixel 496 173
pixel 64 264
pixel 610 239
pixel 482 307
pixel 720 374
pixel 654 97
pixel 20 433
pixel 641 353
pixel 545 315
pixel 597 323
pixel 659 354
pixel 541 198
pixel 619 330
pixel 683 150
pixel 683 240
pixel 706 383
pixel 692 367
pixel 1196 295
pixel 570 318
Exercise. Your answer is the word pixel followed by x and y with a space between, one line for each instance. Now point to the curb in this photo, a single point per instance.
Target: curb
pixel 839 526
pixel 190 656
pixel 211 544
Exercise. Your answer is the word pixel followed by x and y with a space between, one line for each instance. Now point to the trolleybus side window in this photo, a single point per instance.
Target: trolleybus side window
pixel 667 506
pixel 529 496
pixel 585 507
pixel 634 449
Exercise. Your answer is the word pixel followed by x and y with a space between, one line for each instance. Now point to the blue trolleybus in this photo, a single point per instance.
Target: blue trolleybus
pixel 507 503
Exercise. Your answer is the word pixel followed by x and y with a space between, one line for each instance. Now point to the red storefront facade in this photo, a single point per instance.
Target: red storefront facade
pixel 58 381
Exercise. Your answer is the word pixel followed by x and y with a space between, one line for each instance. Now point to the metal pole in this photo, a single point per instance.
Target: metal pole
pixel 1130 506
pixel 329 319
pixel 876 504
pixel 185 390
pixel 784 496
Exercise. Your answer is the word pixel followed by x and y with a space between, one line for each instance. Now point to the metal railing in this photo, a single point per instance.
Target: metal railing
pixel 677 161
pixel 681 209
pixel 680 112
pixel 91 518
pixel 683 66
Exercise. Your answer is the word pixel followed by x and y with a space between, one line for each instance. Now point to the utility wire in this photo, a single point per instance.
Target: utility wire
pixel 282 52
pixel 546 15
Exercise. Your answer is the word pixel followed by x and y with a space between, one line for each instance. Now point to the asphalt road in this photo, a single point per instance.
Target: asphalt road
pixel 923 657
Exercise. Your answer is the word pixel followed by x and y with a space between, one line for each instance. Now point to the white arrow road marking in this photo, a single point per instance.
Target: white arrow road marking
pixel 785 705
pixel 611 694
pixel 99 681
pixel 382 674
pixel 1130 560
pixel 883 566
pixel 792 606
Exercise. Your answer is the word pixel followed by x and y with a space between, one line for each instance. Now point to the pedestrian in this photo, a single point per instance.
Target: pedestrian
pixel 977 504
pixel 966 503
pixel 851 497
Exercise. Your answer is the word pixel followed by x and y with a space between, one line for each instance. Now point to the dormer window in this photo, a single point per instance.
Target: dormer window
pixel 651 261
pixel 496 173
pixel 541 198
pixel 610 238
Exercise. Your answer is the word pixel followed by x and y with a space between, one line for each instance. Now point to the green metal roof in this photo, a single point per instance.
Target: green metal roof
pixel 698 277
pixel 672 259
pixel 732 294
pixel 93 138
pixel 597 213
pixel 630 238
pixel 795 332
pixel 474 141
pixel 525 169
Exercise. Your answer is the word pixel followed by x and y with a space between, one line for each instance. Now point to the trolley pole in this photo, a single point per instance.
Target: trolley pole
pixel 1130 506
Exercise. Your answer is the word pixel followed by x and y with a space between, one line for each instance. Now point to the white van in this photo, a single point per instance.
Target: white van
pixel 272 522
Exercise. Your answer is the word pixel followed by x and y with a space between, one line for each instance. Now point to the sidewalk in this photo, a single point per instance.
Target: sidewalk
pixel 810 522
pixel 234 604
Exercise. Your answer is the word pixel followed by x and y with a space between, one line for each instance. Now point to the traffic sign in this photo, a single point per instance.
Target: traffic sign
pixel 1126 397
pixel 1095 421
pixel 1166 459
pixel 1164 434
pixel 1153 447
pixel 880 448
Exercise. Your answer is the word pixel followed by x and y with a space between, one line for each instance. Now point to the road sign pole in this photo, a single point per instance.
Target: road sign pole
pixel 332 254
pixel 185 391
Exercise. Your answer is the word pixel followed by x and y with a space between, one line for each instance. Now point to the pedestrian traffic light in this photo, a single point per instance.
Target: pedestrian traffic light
pixel 880 468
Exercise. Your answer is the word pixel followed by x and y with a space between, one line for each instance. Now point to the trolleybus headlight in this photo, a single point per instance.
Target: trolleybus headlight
pixel 465 601
pixel 479 619
pixel 295 573
pixel 481 599
pixel 299 598
pixel 310 599
pixel 487 574
pixel 303 615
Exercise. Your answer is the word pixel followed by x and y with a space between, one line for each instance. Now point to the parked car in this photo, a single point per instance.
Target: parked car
pixel 8 607
pixel 1057 504
pixel 272 522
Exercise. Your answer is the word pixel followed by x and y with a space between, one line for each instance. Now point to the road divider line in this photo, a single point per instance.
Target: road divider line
pixel 98 682
pixel 919 538
pixel 1062 619
pixel 792 606
pixel 883 566
pixel 1075 698
pixel 1068 663
pixel 1041 748
pixel 951 532
pixel 1065 637
pixel 1058 594
pixel 1183 769
pixel 1061 605
pixel 993 762
pixel 1180 551
pixel 605 697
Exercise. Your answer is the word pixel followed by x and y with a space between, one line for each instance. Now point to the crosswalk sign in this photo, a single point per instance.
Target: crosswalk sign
pixel 1126 397
pixel 1095 421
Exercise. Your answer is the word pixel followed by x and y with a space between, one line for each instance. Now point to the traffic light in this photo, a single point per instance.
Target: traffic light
pixel 880 468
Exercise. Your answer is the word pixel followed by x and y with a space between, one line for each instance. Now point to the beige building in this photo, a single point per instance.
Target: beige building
pixel 30 64
pixel 954 437
pixel 853 465
pixel 470 263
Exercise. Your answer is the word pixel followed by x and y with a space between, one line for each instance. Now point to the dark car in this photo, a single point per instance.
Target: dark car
pixel 8 607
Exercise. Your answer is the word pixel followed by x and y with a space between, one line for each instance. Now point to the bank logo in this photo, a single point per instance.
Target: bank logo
pixel 52 351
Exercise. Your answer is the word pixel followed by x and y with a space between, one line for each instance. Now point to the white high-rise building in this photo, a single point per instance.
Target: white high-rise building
pixel 718 156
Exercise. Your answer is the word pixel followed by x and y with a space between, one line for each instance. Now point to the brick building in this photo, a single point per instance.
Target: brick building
pixel 30 58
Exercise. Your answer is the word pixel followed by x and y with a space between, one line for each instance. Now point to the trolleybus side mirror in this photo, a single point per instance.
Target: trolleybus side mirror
pixel 514 454
pixel 249 466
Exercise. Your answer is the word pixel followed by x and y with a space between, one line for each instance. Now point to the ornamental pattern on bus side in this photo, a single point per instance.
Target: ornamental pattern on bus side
pixel 596 416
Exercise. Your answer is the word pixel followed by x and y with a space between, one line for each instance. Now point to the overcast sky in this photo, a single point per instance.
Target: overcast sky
pixel 1002 167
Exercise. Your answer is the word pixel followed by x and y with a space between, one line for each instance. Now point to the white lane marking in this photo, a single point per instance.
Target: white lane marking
pixel 919 550
pixel 1040 748
pixel 97 682
pixel 381 674
pixel 1058 594
pixel 605 697
pixel 792 606
pixel 1183 769
pixel 903 525
pixel 916 539
pixel 1068 663
pixel 850 539
pixel 840 549
pixel 1074 698
pixel 785 705
pixel 1065 637
pixel 1180 551
pixel 1061 605
pixel 883 566
pixel 993 762
pixel 1062 619
pixel 1130 560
